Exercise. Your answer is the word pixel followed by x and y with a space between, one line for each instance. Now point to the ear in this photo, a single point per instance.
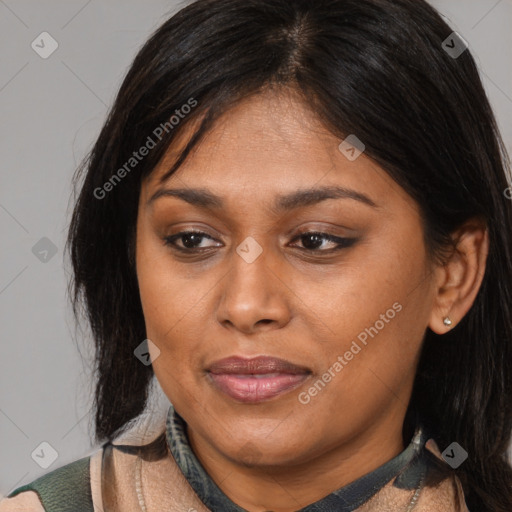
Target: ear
pixel 458 280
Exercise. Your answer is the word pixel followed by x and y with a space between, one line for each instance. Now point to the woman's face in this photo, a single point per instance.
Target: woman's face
pixel 348 315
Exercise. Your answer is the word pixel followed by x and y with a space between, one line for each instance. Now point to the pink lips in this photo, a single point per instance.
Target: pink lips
pixel 257 379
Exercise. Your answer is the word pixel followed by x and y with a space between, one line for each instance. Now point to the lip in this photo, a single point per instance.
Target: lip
pixel 256 379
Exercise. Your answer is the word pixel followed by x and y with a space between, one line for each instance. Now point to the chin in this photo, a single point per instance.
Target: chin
pixel 264 451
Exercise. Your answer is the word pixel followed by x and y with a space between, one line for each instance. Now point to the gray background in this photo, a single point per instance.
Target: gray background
pixel 51 111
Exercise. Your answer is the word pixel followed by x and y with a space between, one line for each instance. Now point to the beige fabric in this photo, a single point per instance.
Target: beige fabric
pixel 162 483
pixel 431 499
pixel 95 470
pixel 164 486
pixel 113 489
pixel 23 502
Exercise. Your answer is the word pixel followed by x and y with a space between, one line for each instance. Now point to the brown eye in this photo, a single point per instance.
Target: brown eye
pixel 323 242
pixel 188 240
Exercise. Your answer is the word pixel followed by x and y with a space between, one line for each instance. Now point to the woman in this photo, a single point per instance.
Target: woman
pixel 296 211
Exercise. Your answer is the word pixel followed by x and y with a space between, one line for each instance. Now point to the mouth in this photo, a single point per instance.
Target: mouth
pixel 257 379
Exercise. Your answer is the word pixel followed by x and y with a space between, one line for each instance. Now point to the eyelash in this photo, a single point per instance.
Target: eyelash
pixel 342 243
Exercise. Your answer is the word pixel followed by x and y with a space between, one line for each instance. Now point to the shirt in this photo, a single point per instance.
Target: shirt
pixel 166 475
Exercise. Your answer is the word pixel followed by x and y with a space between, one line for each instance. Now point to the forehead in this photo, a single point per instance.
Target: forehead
pixel 267 125
pixel 266 144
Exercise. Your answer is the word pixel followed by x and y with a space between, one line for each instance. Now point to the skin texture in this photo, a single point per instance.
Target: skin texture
pixel 307 308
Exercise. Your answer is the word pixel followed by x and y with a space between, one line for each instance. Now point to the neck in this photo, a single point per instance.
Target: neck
pixel 288 488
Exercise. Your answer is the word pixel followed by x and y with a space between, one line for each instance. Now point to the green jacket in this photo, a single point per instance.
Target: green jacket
pixel 66 489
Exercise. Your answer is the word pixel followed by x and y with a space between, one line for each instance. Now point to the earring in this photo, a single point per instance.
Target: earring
pixel 447 321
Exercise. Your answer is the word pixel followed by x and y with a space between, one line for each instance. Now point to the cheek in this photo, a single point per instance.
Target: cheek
pixel 377 309
pixel 169 302
pixel 165 294
pixel 175 315
pixel 370 366
pixel 167 307
pixel 386 274
pixel 164 297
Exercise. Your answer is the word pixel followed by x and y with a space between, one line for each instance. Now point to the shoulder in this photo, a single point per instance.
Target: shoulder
pixel 65 488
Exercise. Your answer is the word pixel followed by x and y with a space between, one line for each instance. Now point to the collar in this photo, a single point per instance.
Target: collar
pixel 406 468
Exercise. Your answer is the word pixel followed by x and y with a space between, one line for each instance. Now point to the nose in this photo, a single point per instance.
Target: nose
pixel 254 297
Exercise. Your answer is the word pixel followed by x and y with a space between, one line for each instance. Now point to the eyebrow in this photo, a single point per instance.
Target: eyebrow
pixel 300 198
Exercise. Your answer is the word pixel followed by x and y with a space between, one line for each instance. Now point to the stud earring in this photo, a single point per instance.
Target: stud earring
pixel 447 321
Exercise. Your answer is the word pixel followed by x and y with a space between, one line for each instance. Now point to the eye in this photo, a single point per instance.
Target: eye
pixel 312 241
pixel 190 241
